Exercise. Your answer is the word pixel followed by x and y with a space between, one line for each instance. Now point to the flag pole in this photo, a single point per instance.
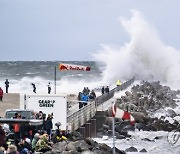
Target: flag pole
pixel 114 150
pixel 55 80
pixel 113 121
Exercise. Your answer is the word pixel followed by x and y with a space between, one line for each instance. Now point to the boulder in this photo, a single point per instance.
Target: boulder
pixel 131 149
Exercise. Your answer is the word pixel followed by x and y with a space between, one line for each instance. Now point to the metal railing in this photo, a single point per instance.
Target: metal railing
pixel 103 98
pixel 83 115
pixel 79 118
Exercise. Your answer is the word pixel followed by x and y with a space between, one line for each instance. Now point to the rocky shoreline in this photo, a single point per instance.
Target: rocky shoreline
pixel 151 104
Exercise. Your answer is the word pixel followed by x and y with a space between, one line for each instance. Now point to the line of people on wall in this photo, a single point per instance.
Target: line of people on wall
pixel 85 96
pixel 105 90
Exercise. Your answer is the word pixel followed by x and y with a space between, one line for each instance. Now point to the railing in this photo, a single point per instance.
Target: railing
pixel 83 115
pixel 79 118
pixel 103 98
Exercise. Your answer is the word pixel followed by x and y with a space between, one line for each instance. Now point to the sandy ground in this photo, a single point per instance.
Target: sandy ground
pixel 10 101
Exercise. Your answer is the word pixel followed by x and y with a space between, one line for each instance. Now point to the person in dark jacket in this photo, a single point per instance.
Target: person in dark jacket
pixel 2 136
pixel 80 99
pixel 7 85
pixel 49 88
pixel 107 90
pixel 34 87
pixel 92 95
pixel 49 125
pixel 27 147
pixel 102 90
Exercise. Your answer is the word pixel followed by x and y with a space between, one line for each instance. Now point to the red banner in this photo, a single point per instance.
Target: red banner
pixel 63 66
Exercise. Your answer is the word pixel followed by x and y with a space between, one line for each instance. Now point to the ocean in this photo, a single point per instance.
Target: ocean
pixel 22 73
pixel 143 55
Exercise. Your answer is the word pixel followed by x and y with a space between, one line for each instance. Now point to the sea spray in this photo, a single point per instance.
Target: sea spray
pixel 144 55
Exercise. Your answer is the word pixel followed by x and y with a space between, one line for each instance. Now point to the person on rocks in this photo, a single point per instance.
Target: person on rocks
pixel 7 85
pixel 43 145
pixel 107 89
pixel 1 94
pixel 49 88
pixel 58 136
pixel 34 87
pixel 102 90
pixel 35 140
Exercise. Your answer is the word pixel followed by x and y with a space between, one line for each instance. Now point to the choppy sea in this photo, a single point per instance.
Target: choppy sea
pixel 22 73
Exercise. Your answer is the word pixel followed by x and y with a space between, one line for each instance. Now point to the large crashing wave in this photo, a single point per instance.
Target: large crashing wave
pixel 145 54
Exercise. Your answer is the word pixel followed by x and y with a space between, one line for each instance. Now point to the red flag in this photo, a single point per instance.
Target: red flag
pixel 63 66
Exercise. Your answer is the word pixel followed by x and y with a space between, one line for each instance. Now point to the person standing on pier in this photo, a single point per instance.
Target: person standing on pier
pixel 7 85
pixel 49 88
pixel 102 90
pixel 34 87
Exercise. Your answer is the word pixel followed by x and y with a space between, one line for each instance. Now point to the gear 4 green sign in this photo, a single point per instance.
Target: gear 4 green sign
pixel 46 103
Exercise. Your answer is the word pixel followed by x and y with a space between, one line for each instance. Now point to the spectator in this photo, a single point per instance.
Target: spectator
pixel 118 83
pixel 92 95
pixel 12 149
pixel 42 144
pixel 1 94
pixel 49 88
pixel 80 100
pixel 2 150
pixel 34 87
pixel 107 90
pixel 26 146
pixel 16 127
pixel 49 125
pixel 85 99
pixel 35 140
pixel 2 136
pixel 7 85
pixel 102 90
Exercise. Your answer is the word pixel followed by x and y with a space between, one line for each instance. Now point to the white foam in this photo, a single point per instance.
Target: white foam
pixel 144 54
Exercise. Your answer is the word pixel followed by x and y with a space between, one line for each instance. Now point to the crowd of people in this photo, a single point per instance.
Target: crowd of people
pixel 28 139
pixel 85 96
